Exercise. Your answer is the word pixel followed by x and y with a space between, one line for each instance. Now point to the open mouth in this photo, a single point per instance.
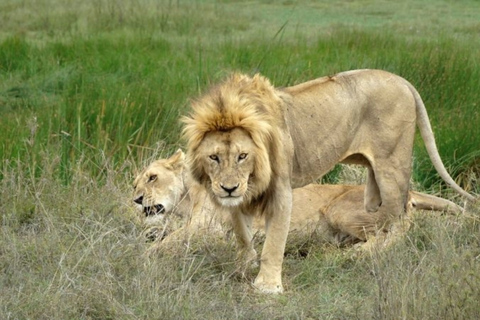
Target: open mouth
pixel 154 210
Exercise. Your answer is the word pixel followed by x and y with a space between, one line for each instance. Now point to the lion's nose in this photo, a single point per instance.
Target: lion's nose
pixel 229 190
pixel 139 200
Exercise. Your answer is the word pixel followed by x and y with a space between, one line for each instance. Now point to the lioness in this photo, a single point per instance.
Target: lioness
pixel 249 144
pixel 163 189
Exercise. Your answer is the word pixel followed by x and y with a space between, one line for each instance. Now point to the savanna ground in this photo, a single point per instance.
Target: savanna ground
pixel 90 91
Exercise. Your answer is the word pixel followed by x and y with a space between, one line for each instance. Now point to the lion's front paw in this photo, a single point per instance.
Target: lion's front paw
pixel 269 287
pixel 246 260
pixel 246 256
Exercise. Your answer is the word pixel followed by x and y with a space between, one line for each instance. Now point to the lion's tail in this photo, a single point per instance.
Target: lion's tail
pixel 423 123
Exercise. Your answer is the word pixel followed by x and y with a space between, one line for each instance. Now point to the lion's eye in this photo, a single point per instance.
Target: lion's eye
pixel 153 177
pixel 242 156
pixel 214 157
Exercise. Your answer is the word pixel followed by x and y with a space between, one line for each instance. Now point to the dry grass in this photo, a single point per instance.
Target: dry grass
pixel 76 252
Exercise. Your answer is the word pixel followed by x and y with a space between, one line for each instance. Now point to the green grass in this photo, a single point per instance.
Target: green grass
pixel 95 82
pixel 90 91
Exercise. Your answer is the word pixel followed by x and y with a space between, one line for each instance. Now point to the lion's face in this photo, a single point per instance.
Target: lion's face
pixel 228 160
pixel 159 187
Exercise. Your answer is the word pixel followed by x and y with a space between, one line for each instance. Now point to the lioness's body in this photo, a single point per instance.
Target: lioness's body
pixel 335 211
pixel 250 143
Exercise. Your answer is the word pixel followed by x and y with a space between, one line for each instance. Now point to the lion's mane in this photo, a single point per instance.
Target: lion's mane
pixel 250 103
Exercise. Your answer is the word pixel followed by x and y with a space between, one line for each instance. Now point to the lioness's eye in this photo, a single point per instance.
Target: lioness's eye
pixel 242 156
pixel 214 157
pixel 153 177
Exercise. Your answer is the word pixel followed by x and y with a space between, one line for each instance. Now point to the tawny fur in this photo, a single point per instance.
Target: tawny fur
pixel 249 144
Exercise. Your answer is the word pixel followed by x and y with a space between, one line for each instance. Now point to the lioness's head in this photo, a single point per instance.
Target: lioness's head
pixel 232 139
pixel 158 188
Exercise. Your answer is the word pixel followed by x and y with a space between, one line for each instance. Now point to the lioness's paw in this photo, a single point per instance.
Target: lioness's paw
pixel 154 233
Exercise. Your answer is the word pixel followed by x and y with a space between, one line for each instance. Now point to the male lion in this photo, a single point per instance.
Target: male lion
pixel 163 189
pixel 249 144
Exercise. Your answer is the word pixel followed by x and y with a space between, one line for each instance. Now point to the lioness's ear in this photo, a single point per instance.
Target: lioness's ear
pixel 177 160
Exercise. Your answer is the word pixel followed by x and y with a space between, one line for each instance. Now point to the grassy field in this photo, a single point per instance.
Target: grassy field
pixel 90 91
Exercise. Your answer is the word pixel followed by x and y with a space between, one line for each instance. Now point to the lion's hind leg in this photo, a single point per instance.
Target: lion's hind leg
pixel 392 176
pixel 372 198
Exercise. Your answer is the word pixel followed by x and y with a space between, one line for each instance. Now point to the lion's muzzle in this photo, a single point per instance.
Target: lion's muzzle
pixel 229 189
pixel 230 201
pixel 229 195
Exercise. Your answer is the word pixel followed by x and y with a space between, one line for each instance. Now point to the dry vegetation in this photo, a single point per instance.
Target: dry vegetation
pixel 76 252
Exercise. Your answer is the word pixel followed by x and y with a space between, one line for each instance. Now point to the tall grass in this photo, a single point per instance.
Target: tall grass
pixel 121 98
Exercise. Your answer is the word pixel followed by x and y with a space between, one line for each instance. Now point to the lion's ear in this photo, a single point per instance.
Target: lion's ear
pixel 177 160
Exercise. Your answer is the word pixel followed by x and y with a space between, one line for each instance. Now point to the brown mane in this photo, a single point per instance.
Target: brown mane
pixel 238 102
